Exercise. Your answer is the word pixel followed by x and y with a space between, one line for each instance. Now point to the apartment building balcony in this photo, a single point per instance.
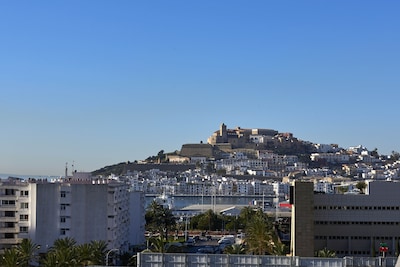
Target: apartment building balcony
pixel 8 219
pixel 14 230
pixel 8 207
pixel 10 241
pixel 8 197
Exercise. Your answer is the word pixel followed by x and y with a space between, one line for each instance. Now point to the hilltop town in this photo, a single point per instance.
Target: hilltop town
pixel 248 161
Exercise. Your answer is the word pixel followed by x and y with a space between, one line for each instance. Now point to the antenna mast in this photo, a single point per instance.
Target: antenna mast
pixel 66 170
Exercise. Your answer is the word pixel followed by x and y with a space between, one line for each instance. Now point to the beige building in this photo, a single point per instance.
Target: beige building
pixel 349 224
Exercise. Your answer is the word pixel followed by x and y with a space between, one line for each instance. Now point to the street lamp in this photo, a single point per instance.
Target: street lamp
pixel 108 254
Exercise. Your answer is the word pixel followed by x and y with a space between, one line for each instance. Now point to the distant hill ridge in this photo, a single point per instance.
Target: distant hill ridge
pixel 218 144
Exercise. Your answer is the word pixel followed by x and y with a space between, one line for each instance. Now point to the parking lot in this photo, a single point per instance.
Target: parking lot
pixel 207 245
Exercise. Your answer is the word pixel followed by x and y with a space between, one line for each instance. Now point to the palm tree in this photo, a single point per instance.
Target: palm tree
pixel 67 258
pixel 158 245
pixel 10 258
pixel 50 260
pixel 259 235
pixel 235 249
pixel 207 220
pixel 159 218
pixel 63 253
pixel 99 251
pixel 27 250
pixel 278 248
pixel 85 254
pixel 63 244
pixel 245 216
pixel 325 253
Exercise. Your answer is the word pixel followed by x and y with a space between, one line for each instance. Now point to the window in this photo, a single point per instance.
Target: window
pixel 23 217
pixel 9 225
pixel 62 219
pixel 63 231
pixel 9 214
pixel 10 192
pixel 24 205
pixel 63 206
pixel 8 236
pixel 24 193
pixel 8 202
pixel 23 229
pixel 62 193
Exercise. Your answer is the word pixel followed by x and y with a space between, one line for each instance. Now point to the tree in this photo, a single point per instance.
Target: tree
pixel 10 258
pixel 63 253
pixel 235 249
pixel 278 248
pixel 99 251
pixel 260 238
pixel 84 254
pixel 63 244
pixel 245 216
pixel 343 189
pixel 374 153
pixel 27 251
pixel 325 253
pixel 50 260
pixel 159 218
pixel 361 185
pixel 394 156
pixel 157 244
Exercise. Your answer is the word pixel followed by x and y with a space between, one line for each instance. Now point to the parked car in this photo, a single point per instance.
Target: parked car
pixel 190 241
pixel 227 240
pixel 206 250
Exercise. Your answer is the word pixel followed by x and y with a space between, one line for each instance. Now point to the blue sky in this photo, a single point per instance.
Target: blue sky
pixel 102 82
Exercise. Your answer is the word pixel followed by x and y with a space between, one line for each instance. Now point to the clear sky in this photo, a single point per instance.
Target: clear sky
pixel 102 82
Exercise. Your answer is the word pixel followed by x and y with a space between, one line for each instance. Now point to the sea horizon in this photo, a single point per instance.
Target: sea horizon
pixel 24 176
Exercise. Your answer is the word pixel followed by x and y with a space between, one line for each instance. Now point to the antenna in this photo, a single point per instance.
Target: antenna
pixel 66 170
pixel 73 170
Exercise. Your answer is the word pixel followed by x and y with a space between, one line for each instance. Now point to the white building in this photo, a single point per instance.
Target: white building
pixel 244 188
pixel 17 221
pixel 330 157
pixel 80 207
pixel 323 186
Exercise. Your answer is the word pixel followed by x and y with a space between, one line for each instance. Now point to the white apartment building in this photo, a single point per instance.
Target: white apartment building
pixel 225 188
pixel 326 148
pixel 281 189
pixel 330 157
pixel 323 186
pixel 266 189
pixel 256 187
pixel 17 221
pixel 244 188
pixel 79 207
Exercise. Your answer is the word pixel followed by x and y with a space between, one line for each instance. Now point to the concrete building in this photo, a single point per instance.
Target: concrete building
pixel 349 224
pixel 17 221
pixel 81 207
pixel 302 226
